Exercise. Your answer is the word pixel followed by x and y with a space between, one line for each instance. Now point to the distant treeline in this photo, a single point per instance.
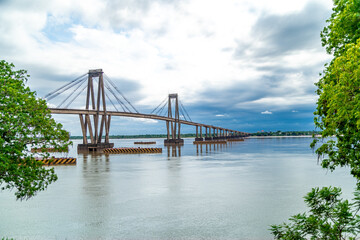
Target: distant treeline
pixel 286 133
pixel 191 135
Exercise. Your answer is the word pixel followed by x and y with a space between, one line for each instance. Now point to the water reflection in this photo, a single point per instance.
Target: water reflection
pixel 174 150
pixel 94 162
pixel 209 148
pixel 96 188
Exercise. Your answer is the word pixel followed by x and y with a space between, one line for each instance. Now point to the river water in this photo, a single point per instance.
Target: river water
pixel 232 191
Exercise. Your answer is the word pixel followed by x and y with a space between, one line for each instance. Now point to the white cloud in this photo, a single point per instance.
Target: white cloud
pixel 173 48
pixel 266 112
pixel 50 105
pixel 145 120
pixel 182 47
pixel 278 102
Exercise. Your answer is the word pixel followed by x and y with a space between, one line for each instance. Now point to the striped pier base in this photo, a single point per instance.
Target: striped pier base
pixel 58 161
pixel 132 150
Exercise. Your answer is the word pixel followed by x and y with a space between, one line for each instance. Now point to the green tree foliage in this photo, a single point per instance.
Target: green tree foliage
pixel 25 123
pixel 338 106
pixel 343 28
pixel 338 111
pixel 329 217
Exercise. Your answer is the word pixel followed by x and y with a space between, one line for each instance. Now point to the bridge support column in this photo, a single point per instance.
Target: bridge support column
pixel 96 144
pixel 219 135
pixel 226 134
pixel 175 138
pixel 215 133
pixel 208 134
pixel 197 138
pixel 223 136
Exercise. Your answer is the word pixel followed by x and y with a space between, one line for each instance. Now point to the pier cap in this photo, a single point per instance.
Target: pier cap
pixel 95 72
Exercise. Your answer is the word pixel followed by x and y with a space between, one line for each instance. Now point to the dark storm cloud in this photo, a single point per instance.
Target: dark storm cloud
pixel 130 89
pixel 299 118
pixel 241 111
pixel 278 35
pixel 279 74
pixel 273 38
pixel 272 84
pixel 249 120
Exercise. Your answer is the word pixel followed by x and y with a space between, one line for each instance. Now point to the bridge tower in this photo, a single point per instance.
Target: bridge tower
pixel 102 124
pixel 173 128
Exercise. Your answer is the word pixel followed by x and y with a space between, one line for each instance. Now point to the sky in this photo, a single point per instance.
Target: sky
pixel 247 65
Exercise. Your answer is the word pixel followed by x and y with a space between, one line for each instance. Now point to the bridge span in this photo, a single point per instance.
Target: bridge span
pixel 101 117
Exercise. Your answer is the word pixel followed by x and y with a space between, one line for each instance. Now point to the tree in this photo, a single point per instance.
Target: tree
pixel 338 118
pixel 338 111
pixel 329 217
pixel 343 28
pixel 25 123
pixel 338 106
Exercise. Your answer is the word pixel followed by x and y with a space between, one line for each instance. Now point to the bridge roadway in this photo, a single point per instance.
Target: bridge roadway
pixel 137 115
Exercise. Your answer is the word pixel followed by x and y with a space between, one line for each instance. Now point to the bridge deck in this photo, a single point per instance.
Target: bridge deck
pixel 133 115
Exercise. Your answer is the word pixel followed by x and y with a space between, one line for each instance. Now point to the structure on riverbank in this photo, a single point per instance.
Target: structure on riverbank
pixel 95 119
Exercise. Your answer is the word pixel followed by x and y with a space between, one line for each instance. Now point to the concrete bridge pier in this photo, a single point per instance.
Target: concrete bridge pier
pixel 215 133
pixel 175 138
pixel 229 135
pixel 199 137
pixel 101 123
pixel 96 147
pixel 208 136
pixel 222 134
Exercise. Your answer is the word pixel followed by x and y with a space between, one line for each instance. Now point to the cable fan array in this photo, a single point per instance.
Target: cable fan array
pixel 72 90
pixel 161 110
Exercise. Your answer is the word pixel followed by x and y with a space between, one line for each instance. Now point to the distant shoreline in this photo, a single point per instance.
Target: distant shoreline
pixel 299 136
pixel 193 136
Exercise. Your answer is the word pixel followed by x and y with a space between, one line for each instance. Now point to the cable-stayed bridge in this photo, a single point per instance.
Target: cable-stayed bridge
pixel 104 100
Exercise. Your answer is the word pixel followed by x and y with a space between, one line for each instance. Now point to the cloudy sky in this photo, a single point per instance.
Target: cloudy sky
pixel 248 65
